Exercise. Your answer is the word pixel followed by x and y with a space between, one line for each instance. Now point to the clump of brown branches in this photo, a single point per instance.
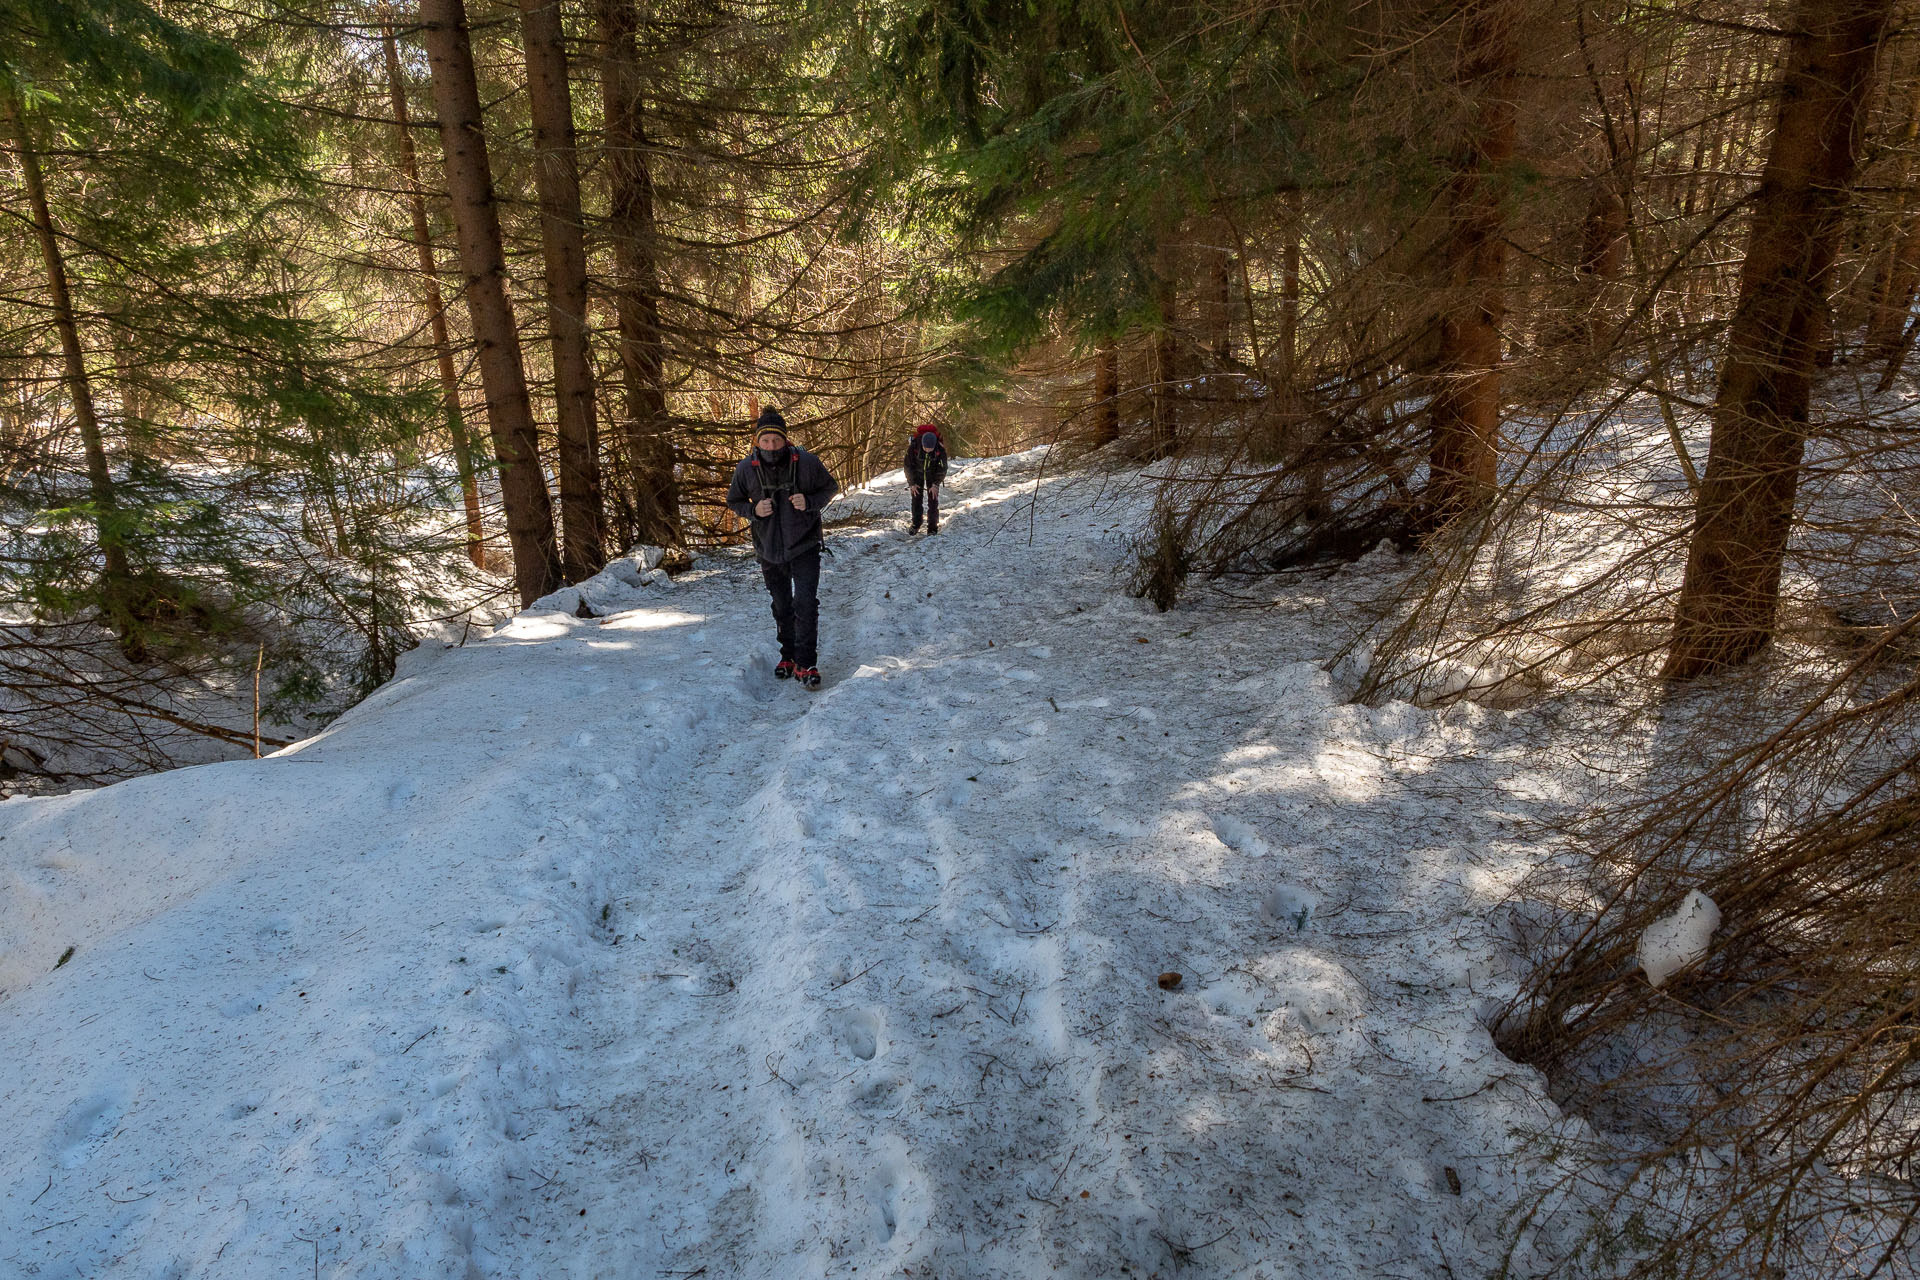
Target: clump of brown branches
pixel 1759 1113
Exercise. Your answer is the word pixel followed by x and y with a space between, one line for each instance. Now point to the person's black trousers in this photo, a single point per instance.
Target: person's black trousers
pixel 932 507
pixel 795 588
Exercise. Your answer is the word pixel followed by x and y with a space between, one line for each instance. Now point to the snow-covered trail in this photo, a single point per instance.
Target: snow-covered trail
pixel 592 951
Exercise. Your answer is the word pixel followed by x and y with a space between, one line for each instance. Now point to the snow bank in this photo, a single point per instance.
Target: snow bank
pixel 623 584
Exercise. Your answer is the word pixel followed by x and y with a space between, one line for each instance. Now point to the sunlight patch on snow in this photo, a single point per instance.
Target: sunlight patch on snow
pixel 1348 772
pixel 653 620
pixel 533 627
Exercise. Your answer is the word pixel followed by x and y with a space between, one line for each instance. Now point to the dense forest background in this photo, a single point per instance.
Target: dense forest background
pixel 322 325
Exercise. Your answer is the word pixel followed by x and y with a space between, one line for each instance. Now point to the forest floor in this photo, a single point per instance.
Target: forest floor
pixel 590 950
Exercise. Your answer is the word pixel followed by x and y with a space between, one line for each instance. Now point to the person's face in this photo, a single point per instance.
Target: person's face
pixel 769 441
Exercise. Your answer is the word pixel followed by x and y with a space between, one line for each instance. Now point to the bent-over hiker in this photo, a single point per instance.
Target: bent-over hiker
pixel 926 468
pixel 780 488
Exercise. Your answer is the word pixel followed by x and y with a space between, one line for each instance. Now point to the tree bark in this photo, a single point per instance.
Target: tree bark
pixel 1745 508
pixel 116 581
pixel 1893 301
pixel 1465 411
pixel 1220 302
pixel 1164 405
pixel 1603 249
pixel 435 305
pixel 1106 394
pixel 1893 283
pixel 556 176
pixel 516 441
pixel 1286 355
pixel 647 433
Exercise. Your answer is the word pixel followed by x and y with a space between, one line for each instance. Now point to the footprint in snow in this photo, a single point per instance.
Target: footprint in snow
pixel 431 1142
pixel 860 1033
pixel 403 791
pixel 88 1125
pixel 1240 837
pixel 756 681
pixel 1290 905
pixel 996 751
pixel 265 994
pixel 277 930
pixel 898 1199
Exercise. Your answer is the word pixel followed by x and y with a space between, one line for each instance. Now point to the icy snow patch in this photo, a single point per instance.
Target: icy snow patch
pixel 1673 942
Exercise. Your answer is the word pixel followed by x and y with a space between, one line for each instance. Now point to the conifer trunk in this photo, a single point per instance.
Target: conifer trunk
pixel 1603 237
pixel 1465 411
pixel 1164 405
pixel 1893 301
pixel 556 176
pixel 653 490
pixel 1287 353
pixel 435 305
pixel 116 581
pixel 1220 303
pixel 1745 507
pixel 1899 269
pixel 516 441
pixel 1106 394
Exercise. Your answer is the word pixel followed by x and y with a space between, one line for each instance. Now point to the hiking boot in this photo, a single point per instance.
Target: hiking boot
pixel 784 669
pixel 809 677
pixel 912 529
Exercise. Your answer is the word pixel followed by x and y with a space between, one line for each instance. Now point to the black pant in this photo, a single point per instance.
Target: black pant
pixel 795 588
pixel 932 493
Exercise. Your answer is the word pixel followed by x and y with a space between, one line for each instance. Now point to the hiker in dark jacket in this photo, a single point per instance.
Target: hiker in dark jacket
pixel 779 489
pixel 926 468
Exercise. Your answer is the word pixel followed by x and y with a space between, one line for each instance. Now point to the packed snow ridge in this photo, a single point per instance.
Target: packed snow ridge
pixel 589 950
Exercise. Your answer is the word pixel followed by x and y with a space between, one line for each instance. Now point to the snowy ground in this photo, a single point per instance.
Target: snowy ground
pixel 591 951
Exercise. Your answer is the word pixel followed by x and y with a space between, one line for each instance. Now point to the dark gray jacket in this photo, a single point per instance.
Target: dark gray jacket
pixel 924 468
pixel 786 533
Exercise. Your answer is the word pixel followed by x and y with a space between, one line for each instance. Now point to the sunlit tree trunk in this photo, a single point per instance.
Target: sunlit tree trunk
pixel 1465 411
pixel 647 432
pixel 556 176
pixel 1745 507
pixel 516 441
pixel 116 582
pixel 1287 341
pixel 434 304
pixel 1899 267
